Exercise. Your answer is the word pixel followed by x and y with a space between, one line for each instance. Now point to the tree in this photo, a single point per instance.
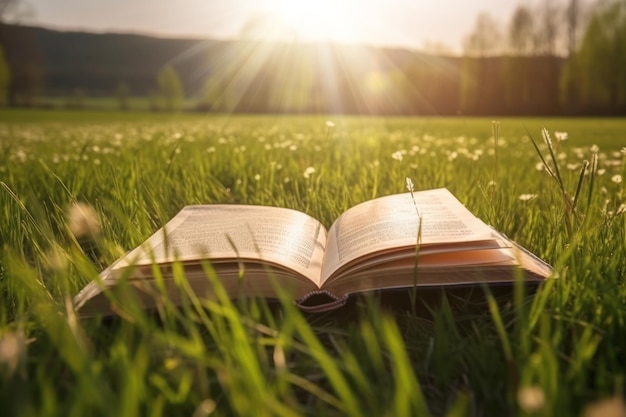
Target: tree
pixel 547 29
pixel 599 68
pixel 14 10
pixel 76 100
pixel 5 79
pixel 214 94
pixel 170 89
pixel 486 37
pixel 26 80
pixel 572 18
pixel 521 31
pixel 122 93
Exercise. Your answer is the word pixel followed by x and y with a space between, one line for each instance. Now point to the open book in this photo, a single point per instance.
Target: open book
pixel 370 247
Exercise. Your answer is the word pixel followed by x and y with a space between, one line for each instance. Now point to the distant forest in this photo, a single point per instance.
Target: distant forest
pixel 254 76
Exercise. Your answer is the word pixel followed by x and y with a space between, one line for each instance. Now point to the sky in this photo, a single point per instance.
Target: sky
pixel 396 23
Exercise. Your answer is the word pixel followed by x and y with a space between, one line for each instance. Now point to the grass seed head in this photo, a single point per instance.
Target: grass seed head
pixel 531 399
pixel 12 351
pixel 409 184
pixel 546 137
pixel 610 407
pixel 83 221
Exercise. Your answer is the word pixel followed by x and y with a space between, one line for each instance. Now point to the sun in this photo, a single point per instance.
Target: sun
pixel 318 19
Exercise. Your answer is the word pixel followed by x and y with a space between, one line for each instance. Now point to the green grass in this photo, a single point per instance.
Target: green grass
pixel 457 357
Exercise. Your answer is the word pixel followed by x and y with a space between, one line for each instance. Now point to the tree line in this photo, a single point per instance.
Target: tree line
pixel 546 59
pixel 591 39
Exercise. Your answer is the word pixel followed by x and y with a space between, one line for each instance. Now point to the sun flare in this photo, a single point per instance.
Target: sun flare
pixel 318 20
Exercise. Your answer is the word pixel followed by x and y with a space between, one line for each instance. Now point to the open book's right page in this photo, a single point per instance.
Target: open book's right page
pixel 392 222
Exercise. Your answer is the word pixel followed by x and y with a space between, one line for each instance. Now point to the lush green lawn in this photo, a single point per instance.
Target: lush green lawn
pixel 564 347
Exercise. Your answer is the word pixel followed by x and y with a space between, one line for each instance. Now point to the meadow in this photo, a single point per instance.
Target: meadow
pixel 559 351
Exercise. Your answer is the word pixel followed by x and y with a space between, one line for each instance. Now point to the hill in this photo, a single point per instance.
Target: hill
pixel 98 62
pixel 255 76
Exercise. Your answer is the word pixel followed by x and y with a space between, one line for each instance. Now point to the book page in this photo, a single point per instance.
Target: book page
pixel 231 232
pixel 392 222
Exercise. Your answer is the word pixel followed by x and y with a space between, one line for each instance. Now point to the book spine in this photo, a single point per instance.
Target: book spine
pixel 308 303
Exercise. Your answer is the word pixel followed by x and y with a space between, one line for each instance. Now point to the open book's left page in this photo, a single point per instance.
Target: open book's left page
pixel 271 235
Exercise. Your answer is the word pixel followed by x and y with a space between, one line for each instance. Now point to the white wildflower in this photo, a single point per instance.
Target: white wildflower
pixel 308 172
pixel 594 148
pixel 539 166
pixel 21 155
pixel 452 156
pixel 617 179
pixel 257 177
pixel 293 147
pixel 561 136
pixel 330 124
pixel 397 155
pixel 83 221
pixel 210 149
pixel 527 197
pixel 531 399
pixel 601 171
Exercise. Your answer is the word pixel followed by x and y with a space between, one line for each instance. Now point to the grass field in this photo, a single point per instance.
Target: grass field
pixel 554 353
